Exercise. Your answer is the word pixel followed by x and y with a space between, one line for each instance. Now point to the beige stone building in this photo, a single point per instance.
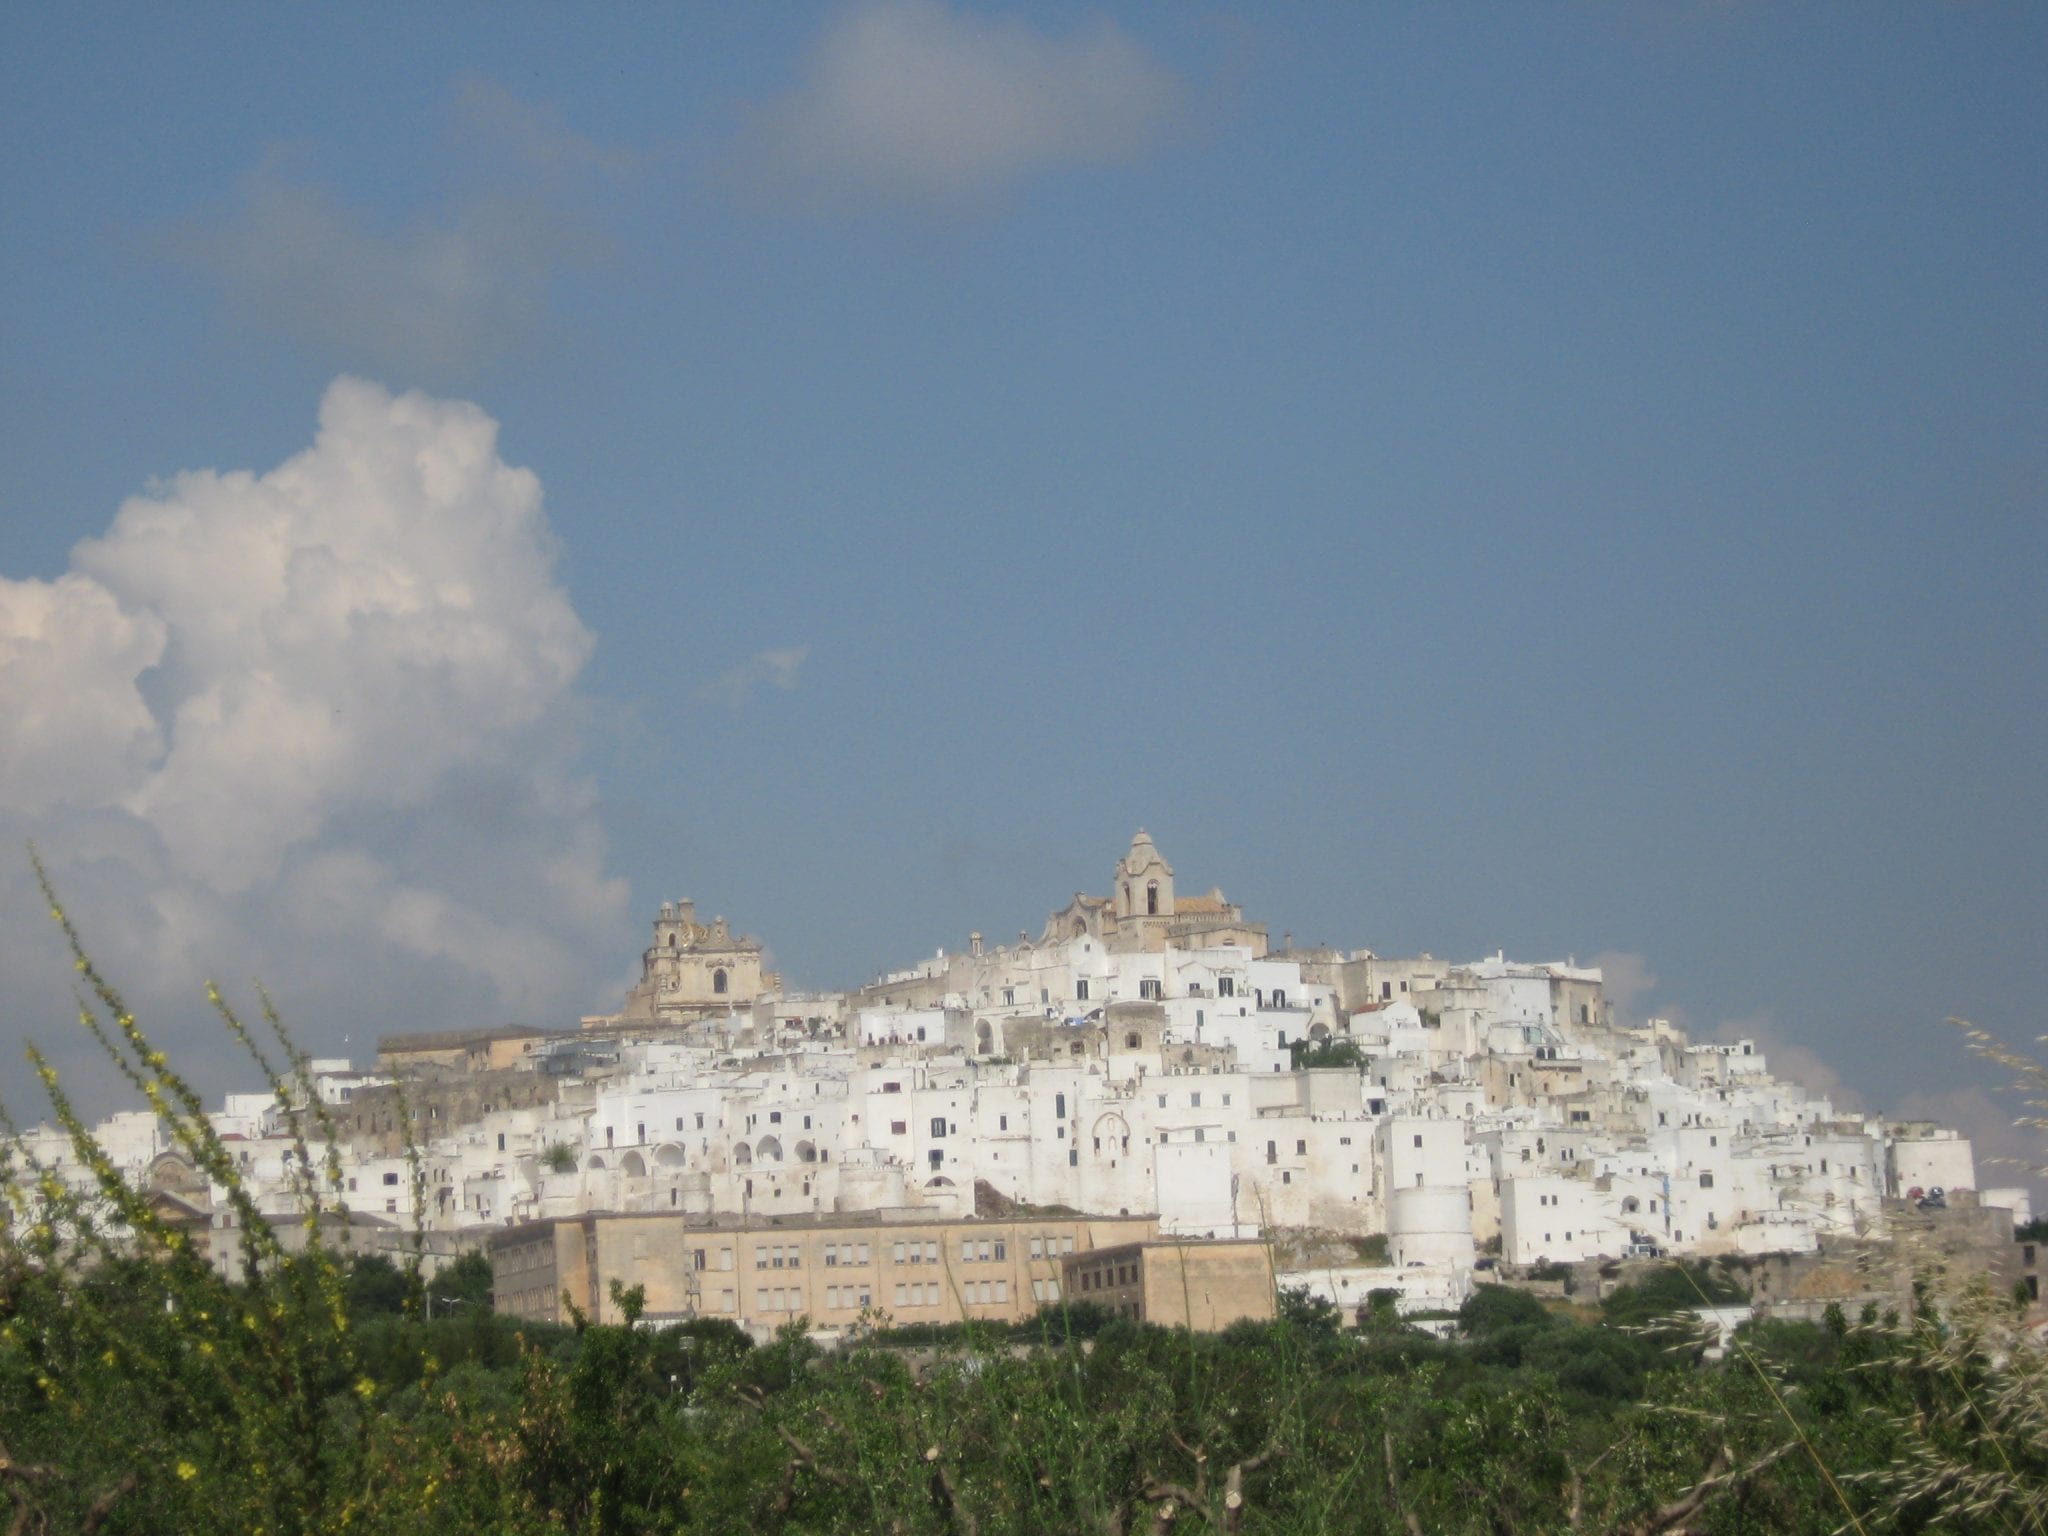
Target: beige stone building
pixel 766 1272
pixel 1144 911
pixel 467 1050
pixel 1204 1286
pixel 692 971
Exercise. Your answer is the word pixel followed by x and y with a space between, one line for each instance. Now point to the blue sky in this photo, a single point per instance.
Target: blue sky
pixel 1565 479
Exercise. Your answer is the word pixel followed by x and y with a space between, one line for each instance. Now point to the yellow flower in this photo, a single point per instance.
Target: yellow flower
pixel 366 1389
pixel 186 1471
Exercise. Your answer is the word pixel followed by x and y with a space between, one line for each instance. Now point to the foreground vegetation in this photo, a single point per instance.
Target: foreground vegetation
pixel 140 1391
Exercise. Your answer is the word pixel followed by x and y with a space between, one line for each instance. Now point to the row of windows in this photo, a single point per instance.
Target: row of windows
pixel 985 1250
pixel 1103 1279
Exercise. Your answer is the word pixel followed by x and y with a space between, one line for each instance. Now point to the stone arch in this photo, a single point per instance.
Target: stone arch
pixel 806 1152
pixel 938 1182
pixel 718 981
pixel 742 1154
pixel 984 1037
pixel 768 1150
pixel 668 1155
pixel 1111 1135
pixel 1630 1205
pixel 633 1166
pixel 1080 928
pixel 1319 1031
pixel 596 1163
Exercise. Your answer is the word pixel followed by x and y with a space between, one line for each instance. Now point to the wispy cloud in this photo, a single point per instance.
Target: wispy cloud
pixel 776 668
pixel 435 293
pixel 911 102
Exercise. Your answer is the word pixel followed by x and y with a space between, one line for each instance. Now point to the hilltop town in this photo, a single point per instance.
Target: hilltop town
pixel 1144 1105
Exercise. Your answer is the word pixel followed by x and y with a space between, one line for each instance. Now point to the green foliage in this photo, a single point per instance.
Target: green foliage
pixel 1670 1291
pixel 1304 1054
pixel 1491 1308
pixel 376 1287
pixel 464 1283
pixel 1309 1313
pixel 558 1157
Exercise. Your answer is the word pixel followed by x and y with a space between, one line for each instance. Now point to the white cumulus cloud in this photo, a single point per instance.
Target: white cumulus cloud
pixel 318 723
pixel 909 101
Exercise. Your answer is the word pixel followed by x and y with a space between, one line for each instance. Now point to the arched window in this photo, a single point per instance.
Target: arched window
pixel 1152 898
pixel 718 982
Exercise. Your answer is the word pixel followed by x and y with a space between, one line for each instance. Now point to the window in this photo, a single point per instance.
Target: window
pixel 902 1295
pixel 501 1141
pixel 899 1127
pixel 831 1255
pixel 1152 898
pixel 718 982
pixel 931 1253
pixel 1226 986
pixel 1418 1138
pixel 1706 1181
pixel 1194 1101
pixel 1148 988
pixel 1059 1106
pixel 390 1178
pixel 938 1127
pixel 899 1253
pixel 1301 1149
pixel 1081 990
